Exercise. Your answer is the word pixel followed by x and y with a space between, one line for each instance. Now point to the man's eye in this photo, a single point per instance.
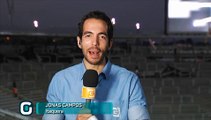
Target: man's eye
pixel 103 37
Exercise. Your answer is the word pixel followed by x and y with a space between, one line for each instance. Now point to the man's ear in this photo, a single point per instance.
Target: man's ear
pixel 79 42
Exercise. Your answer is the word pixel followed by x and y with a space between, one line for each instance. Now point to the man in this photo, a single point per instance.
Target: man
pixel 116 84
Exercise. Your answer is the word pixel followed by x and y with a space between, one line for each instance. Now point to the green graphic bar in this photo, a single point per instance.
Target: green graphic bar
pixel 74 108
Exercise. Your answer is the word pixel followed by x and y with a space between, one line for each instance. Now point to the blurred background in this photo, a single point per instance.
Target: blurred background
pixel 167 43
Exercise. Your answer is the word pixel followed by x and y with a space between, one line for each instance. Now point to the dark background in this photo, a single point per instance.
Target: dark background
pixel 61 16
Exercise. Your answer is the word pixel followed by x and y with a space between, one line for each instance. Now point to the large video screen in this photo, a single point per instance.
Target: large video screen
pixel 189 16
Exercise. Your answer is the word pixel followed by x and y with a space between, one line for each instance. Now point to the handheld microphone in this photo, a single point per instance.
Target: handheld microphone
pixel 90 81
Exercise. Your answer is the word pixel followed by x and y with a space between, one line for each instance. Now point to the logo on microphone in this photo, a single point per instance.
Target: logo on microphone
pixel 88 93
pixel 26 108
pixel 91 93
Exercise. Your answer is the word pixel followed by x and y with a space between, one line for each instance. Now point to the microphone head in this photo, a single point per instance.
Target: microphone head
pixel 90 78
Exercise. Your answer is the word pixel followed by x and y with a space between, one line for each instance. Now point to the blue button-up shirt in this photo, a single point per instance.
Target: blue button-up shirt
pixel 116 85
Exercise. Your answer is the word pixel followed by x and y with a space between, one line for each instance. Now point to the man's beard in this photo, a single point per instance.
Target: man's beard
pixel 100 61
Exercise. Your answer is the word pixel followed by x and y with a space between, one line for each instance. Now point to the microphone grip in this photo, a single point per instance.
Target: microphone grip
pixel 88 100
pixel 88 103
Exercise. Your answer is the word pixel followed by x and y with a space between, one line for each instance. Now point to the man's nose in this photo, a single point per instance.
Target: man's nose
pixel 95 41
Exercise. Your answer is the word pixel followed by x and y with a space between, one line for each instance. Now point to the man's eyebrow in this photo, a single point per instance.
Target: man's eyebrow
pixel 103 33
pixel 87 32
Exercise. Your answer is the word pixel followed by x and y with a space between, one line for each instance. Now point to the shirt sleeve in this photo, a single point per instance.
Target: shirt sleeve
pixel 54 90
pixel 54 95
pixel 53 117
pixel 138 113
pixel 137 101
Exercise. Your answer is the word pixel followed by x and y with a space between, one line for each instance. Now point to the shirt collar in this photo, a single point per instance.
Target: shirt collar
pixel 105 71
pixel 83 69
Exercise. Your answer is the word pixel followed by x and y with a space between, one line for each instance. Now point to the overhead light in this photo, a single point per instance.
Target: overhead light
pixel 35 22
pixel 137 26
pixel 113 21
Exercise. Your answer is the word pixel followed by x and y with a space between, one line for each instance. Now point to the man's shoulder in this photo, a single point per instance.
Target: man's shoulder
pixel 74 67
pixel 71 69
pixel 124 75
pixel 66 74
pixel 121 70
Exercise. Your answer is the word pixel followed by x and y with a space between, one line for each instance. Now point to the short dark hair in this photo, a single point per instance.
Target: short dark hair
pixel 97 15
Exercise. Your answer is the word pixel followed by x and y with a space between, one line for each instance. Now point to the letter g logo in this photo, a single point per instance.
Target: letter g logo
pixel 26 108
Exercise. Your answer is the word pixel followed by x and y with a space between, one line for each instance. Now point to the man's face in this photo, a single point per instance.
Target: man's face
pixel 94 42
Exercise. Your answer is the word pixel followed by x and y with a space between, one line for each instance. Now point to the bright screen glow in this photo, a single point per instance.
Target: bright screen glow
pixel 189 16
